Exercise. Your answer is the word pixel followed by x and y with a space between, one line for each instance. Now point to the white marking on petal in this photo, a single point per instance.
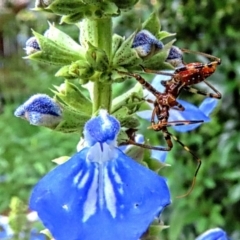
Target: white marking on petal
pixel 109 194
pixel 118 180
pixel 101 185
pixel 117 177
pixel 90 204
pixel 76 178
pixel 65 206
pixel 96 154
pixel 106 122
pixel 83 181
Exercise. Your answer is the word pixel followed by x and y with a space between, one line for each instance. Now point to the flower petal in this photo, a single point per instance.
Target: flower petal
pixel 79 198
pixel 208 105
pixel 159 155
pixel 213 234
pixel 95 195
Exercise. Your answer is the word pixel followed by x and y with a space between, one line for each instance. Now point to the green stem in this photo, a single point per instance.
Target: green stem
pixel 99 34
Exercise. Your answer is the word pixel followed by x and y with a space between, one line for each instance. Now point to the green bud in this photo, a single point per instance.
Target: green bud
pixel 73 97
pixel 78 69
pixel 97 58
pixel 52 53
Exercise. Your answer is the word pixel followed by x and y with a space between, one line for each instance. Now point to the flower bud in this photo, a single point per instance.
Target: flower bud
pixel 146 44
pixel 79 69
pixel 32 46
pixel 40 110
pixel 97 58
pixel 175 57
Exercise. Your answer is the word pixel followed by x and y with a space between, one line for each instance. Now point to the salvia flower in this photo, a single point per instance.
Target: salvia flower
pixel 99 193
pixel 213 234
pixel 40 110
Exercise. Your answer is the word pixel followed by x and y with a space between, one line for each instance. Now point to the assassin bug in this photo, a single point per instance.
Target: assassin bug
pixel 189 74
pixel 162 104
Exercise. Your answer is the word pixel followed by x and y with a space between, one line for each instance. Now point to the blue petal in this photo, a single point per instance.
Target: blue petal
pixel 213 234
pixel 146 114
pixel 208 105
pixel 159 155
pixel 87 199
pixel 103 128
pixel 191 112
pixel 156 82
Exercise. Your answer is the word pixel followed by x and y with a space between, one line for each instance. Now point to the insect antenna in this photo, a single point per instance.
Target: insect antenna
pixel 209 56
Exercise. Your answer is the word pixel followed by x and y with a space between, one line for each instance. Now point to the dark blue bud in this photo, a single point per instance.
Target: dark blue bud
pixel 175 57
pixel 146 43
pixel 32 46
pixel 40 110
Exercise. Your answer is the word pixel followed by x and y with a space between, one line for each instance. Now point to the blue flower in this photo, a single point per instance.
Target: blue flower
pixel 213 234
pixel 40 110
pixel 100 193
pixel 191 112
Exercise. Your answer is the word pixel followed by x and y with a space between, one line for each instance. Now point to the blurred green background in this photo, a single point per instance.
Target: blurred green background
pixel 207 26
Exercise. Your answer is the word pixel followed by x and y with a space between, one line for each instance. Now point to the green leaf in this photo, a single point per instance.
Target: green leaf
pixel 72 96
pixel 52 53
pixel 152 24
pixel 64 40
pixel 73 121
pixel 163 34
pixel 126 55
